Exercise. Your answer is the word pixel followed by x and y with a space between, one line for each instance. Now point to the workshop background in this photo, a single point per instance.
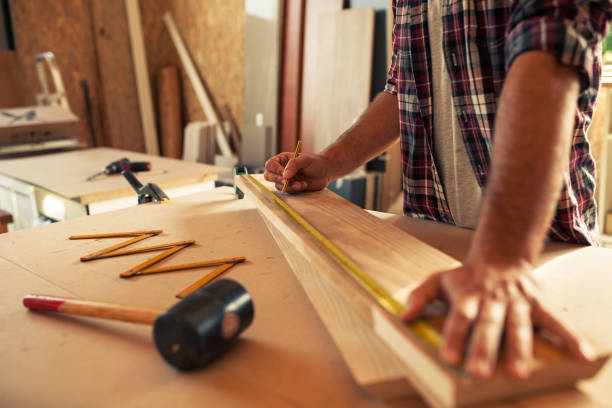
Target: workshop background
pixel 257 60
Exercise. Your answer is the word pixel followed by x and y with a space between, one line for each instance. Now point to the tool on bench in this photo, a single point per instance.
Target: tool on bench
pixel 145 267
pixel 189 335
pixel 147 193
pixel 120 165
pixel 421 328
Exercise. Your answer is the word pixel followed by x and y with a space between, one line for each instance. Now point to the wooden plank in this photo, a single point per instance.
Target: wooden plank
pixel 12 94
pixel 344 72
pixel 171 129
pixel 117 81
pixel 380 372
pixel 291 72
pixel 66 173
pixel 139 57
pixel 398 261
pixel 194 78
pixel 285 359
pixel 314 8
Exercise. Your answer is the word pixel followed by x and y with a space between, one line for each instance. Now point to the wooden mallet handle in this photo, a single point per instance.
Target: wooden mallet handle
pixel 134 314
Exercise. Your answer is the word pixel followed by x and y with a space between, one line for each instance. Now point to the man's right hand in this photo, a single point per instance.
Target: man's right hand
pixel 307 172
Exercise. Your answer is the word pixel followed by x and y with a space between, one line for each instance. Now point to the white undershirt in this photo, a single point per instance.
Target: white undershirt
pixel 462 192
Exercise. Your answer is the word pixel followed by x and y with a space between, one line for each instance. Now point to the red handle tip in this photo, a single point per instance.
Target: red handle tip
pixel 37 302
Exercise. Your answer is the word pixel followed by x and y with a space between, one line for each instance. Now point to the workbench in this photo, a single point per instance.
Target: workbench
pixel 285 359
pixel 56 186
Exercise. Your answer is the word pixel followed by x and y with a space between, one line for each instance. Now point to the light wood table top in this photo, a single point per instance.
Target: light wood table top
pixel 66 173
pixel 285 359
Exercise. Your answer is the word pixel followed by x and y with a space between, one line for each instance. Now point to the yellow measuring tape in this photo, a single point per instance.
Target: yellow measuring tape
pixel 419 327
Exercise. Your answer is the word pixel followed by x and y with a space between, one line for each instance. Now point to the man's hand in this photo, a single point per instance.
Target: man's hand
pixel 486 302
pixel 307 172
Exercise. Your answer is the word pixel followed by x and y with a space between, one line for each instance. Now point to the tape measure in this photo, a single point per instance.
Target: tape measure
pixel 422 329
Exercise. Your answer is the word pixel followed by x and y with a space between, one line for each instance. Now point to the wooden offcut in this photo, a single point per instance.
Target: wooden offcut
pixel 398 261
pixel 344 72
pixel 170 124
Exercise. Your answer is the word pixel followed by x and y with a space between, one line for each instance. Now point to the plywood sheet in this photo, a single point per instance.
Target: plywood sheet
pixel 66 173
pixel 285 359
pixel 398 261
pixel 344 72
pixel 314 8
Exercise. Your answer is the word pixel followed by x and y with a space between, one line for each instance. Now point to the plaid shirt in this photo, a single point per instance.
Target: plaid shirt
pixel 481 39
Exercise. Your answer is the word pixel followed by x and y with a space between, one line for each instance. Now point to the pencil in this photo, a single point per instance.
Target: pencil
pixel 297 150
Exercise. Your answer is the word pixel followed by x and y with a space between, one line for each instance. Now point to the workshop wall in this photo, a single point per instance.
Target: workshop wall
pixel 91 43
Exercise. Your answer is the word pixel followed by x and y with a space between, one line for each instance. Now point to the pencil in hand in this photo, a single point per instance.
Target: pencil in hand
pixel 297 150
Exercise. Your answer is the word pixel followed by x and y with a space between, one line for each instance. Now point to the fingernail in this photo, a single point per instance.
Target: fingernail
pixel 587 350
pixel 450 356
pixel 520 369
pixel 480 368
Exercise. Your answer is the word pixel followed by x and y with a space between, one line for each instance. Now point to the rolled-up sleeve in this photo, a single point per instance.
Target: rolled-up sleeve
pixel 391 85
pixel 571 30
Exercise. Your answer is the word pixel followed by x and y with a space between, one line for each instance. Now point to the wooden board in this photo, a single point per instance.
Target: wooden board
pixel 291 75
pixel 344 72
pixel 285 359
pixel 398 260
pixel 139 58
pixel 314 8
pixel 12 94
pixel 66 173
pixel 170 124
pixel 119 101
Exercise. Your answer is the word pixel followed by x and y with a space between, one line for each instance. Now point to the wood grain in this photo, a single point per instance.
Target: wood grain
pixel 291 75
pixel 170 123
pixel 344 72
pixel 314 8
pixel 398 261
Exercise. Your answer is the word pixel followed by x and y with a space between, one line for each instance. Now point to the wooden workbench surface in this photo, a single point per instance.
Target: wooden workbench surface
pixel 66 173
pixel 285 359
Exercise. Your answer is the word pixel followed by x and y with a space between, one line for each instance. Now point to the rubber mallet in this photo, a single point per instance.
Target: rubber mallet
pixel 188 335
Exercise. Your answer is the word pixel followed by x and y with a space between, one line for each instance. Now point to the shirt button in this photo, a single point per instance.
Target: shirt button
pixel 454 60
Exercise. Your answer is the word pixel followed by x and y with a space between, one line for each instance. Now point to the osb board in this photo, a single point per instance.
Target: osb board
pixel 66 173
pixel 214 33
pixel 65 28
pixel 344 72
pixel 285 359
pixel 314 8
pixel 392 258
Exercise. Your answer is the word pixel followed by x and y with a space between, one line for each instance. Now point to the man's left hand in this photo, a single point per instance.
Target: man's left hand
pixel 484 302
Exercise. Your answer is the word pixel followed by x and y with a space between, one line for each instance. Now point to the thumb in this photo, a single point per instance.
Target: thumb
pixel 420 297
pixel 296 164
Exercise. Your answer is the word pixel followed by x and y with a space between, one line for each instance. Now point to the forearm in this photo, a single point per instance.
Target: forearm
pixel 375 130
pixel 533 132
